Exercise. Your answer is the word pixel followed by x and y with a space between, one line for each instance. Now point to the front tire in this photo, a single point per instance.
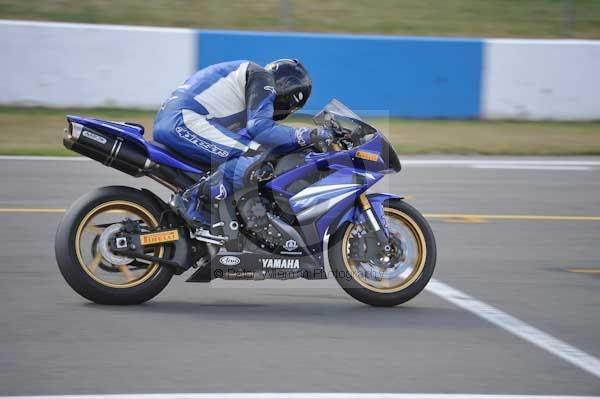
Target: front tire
pixel 82 259
pixel 361 281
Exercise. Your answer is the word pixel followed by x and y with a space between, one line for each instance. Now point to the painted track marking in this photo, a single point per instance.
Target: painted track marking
pixel 32 210
pixel 584 270
pixel 41 158
pixel 307 395
pixel 453 217
pixel 468 216
pixel 517 327
pixel 502 162
pixel 533 167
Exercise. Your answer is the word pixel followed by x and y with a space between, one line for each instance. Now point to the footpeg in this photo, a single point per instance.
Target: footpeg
pixel 204 235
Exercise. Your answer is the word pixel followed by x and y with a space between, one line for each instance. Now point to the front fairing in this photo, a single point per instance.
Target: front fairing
pixel 375 155
pixel 346 175
pixel 335 179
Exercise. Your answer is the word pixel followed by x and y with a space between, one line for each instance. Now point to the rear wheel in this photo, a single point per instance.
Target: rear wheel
pixel 83 252
pixel 397 276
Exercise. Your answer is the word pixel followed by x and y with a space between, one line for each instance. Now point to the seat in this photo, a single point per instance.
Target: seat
pixel 180 157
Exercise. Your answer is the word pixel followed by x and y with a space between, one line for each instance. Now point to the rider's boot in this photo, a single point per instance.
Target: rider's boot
pixel 194 204
pixel 188 205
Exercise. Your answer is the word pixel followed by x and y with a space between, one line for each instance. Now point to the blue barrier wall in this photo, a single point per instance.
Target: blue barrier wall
pixel 407 77
pixel 418 77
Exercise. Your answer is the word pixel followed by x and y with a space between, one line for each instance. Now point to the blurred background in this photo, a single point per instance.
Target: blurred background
pixel 435 70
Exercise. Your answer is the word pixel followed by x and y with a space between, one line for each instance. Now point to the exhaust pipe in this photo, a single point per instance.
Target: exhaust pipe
pixel 109 150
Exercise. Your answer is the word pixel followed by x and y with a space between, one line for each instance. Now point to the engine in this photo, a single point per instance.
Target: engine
pixel 253 211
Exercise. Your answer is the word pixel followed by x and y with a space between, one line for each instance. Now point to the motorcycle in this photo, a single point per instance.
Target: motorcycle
pixel 307 216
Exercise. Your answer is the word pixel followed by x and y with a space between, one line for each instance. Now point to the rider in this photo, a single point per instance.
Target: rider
pixel 224 115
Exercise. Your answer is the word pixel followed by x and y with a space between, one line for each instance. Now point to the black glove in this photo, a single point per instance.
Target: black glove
pixel 321 138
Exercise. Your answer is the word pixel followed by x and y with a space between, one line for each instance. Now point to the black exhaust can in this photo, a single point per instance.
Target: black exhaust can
pixel 107 149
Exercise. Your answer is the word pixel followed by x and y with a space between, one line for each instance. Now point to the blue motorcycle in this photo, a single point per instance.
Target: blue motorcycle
pixel 307 215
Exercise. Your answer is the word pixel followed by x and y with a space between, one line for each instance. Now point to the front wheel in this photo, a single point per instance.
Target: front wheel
pixel 83 251
pixel 389 279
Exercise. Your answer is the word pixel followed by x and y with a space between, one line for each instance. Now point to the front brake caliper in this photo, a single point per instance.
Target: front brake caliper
pixel 364 248
pixel 358 248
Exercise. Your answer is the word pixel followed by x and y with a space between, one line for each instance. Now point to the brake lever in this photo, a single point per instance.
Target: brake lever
pixel 335 147
pixel 356 135
pixel 321 146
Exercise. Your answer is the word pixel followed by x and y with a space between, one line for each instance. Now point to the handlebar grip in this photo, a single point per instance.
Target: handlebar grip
pixel 335 147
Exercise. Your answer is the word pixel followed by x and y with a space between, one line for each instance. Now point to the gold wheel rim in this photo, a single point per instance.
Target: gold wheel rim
pixel 407 221
pixel 91 267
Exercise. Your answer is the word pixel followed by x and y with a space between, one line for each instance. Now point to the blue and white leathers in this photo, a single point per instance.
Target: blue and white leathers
pixel 220 113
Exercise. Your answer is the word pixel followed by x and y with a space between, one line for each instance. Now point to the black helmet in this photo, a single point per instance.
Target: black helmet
pixel 292 84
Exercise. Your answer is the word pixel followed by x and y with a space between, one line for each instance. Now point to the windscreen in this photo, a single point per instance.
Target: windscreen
pixel 337 107
pixel 335 111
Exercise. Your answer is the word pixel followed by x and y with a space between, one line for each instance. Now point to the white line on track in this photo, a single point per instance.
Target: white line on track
pixel 503 161
pixel 530 167
pixel 307 395
pixel 517 327
pixel 40 158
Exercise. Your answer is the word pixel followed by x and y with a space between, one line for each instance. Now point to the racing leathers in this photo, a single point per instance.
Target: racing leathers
pixel 215 117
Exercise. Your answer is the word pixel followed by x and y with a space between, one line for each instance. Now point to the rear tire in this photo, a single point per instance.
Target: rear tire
pixel 358 287
pixel 80 276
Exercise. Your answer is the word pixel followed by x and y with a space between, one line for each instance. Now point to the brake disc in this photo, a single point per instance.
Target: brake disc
pixel 104 248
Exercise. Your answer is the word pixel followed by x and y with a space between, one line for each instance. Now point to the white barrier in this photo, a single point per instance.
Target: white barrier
pixel 541 79
pixel 85 65
pixel 82 65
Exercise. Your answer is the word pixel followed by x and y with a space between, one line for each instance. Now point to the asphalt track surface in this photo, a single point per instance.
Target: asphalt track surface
pixel 304 336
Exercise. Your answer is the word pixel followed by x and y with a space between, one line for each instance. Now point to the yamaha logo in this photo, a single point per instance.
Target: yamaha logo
pixel 290 245
pixel 280 263
pixel 230 260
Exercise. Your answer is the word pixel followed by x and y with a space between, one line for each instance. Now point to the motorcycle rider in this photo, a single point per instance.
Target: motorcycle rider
pixel 224 115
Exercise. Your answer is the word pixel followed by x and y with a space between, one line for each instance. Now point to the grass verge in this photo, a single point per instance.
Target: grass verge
pixel 489 18
pixel 39 131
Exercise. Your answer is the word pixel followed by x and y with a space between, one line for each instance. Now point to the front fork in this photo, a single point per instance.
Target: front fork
pixel 375 222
